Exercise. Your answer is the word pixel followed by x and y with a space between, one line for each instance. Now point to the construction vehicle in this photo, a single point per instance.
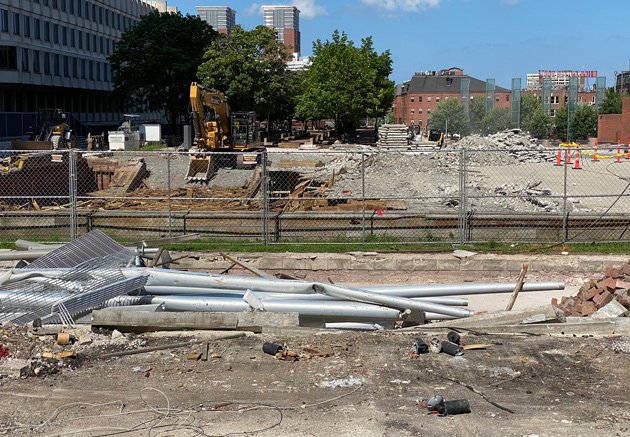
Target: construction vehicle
pixel 437 136
pixel 218 130
pixel 52 133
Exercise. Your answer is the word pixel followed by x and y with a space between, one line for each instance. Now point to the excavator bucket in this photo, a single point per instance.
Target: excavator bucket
pixel 201 168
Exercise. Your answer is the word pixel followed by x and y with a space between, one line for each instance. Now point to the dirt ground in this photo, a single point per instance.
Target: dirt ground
pixel 554 386
pixel 371 385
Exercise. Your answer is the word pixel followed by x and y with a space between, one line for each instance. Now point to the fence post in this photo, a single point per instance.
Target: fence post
pixel 72 193
pixel 168 189
pixel 463 222
pixel 565 221
pixel 264 186
pixel 363 197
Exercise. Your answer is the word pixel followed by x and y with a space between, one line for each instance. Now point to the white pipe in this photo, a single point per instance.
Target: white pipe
pixel 391 301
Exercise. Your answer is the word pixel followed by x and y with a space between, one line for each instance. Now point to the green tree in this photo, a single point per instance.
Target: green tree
pixel 157 59
pixel 533 117
pixel 346 83
pixel 497 120
pixel 611 103
pixel 249 67
pixel 560 123
pixel 477 113
pixel 451 111
pixel 584 123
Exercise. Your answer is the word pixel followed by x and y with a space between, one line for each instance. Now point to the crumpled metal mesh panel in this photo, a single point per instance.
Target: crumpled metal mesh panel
pixel 94 244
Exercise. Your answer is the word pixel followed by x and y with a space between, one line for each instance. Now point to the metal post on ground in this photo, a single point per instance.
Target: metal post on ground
pixel 168 188
pixel 565 224
pixel 72 193
pixel 363 197
pixel 265 196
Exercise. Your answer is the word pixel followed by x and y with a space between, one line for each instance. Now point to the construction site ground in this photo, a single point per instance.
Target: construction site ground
pixel 556 385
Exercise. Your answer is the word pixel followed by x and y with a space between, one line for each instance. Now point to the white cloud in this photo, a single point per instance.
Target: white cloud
pixel 403 5
pixel 253 9
pixel 308 8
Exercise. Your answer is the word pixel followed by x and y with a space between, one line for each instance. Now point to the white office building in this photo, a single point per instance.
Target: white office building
pixel 53 54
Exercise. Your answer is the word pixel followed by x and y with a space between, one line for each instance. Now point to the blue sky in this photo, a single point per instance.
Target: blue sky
pixel 487 38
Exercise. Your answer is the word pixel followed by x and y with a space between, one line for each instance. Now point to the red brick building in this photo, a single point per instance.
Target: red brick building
pixel 560 98
pixel 614 127
pixel 417 98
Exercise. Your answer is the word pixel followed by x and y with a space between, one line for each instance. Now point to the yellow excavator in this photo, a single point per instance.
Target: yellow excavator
pixel 52 133
pixel 218 130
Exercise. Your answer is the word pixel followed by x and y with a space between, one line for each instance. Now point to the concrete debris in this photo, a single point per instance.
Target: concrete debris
pixel 344 382
pixel 393 135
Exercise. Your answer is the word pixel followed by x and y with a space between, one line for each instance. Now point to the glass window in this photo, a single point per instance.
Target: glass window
pixel 4 20
pixel 36 61
pixel 63 5
pixel 75 69
pixel 64 35
pixel 83 75
pixel 46 63
pixel 66 66
pixel 56 65
pixel 46 31
pixel 56 33
pixel 27 26
pixel 25 63
pixel 91 68
pixel 16 23
pixel 37 25
pixel 72 38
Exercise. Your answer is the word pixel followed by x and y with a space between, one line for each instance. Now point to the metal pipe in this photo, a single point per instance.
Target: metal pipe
pixel 337 311
pixel 199 291
pixel 463 289
pixel 355 326
pixel 391 301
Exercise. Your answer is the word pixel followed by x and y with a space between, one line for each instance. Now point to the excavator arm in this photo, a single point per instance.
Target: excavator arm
pixel 211 118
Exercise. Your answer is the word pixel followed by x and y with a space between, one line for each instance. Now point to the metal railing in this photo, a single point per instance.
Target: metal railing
pixel 322 196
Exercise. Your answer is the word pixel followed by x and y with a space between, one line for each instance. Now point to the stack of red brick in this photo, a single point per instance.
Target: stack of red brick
pixel 599 292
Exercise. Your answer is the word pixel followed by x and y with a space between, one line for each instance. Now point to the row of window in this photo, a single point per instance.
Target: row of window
pixel 64 66
pixel 57 34
pixel 91 11
pixel 437 98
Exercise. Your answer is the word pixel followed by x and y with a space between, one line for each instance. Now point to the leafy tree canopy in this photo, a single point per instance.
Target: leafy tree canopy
pixel 249 67
pixel 346 83
pixel 156 60
pixel 533 117
pixel 477 112
pixel 611 103
pixel 584 123
pixel 497 120
pixel 452 112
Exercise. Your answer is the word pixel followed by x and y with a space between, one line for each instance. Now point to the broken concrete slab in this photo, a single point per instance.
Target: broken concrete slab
pixel 141 321
pixel 547 313
pixel 612 309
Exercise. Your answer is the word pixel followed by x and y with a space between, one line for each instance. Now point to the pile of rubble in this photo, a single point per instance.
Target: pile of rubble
pixel 513 145
pixel 605 296
pixel 393 135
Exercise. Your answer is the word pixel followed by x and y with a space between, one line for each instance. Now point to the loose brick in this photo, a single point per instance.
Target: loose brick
pixel 608 283
pixel 626 268
pixel 592 293
pixel 611 272
pixel 554 302
pixel 623 284
pixel 603 299
pixel 578 307
pixel 588 308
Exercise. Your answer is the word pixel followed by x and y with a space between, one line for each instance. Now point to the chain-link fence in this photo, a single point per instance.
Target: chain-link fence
pixel 353 195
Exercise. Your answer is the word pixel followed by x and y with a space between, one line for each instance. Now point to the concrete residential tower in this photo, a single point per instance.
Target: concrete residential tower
pixel 221 18
pixel 285 20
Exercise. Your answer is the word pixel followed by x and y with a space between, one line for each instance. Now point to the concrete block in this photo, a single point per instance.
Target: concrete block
pixel 362 264
pixel 289 263
pixel 388 264
pixel 612 309
pixel 427 264
pixel 603 299
pixel 339 263
pixel 405 265
pixel 271 263
pixel 590 265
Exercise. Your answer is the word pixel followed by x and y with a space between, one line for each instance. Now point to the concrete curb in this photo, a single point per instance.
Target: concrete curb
pixel 443 262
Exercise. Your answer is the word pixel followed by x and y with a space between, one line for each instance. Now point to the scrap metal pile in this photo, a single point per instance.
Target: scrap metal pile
pixel 94 272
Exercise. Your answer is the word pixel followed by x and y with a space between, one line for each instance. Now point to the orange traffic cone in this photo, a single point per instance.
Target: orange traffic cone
pixel 569 154
pixel 559 158
pixel 577 159
pixel 595 152
pixel 628 150
pixel 618 152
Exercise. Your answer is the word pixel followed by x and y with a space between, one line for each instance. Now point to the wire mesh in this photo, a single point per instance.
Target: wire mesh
pixel 345 194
